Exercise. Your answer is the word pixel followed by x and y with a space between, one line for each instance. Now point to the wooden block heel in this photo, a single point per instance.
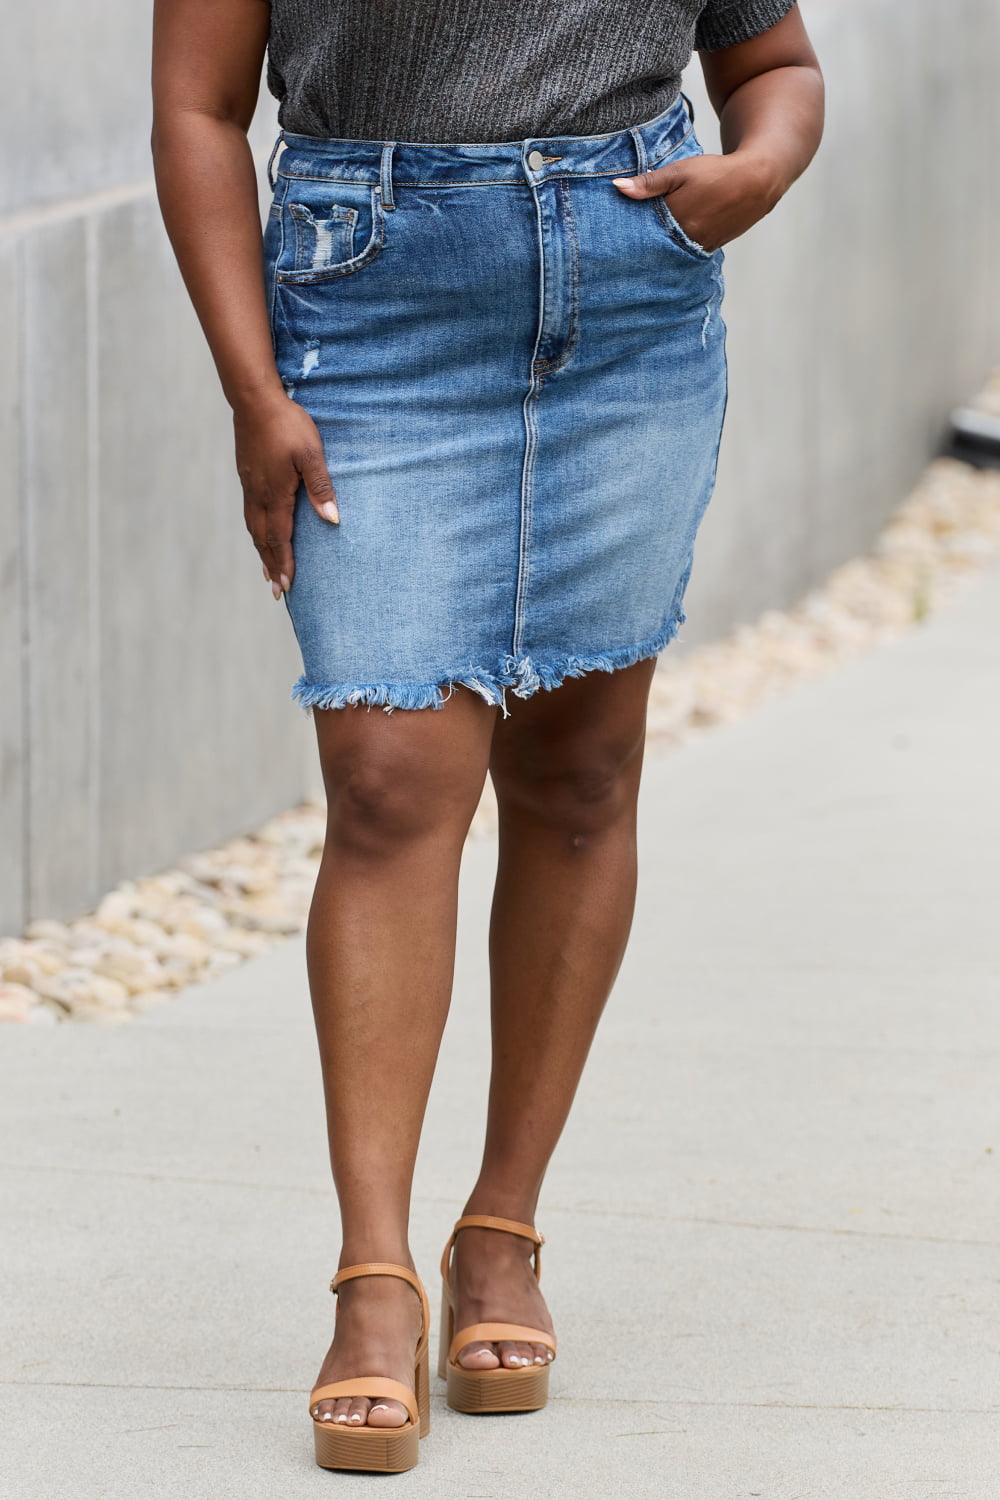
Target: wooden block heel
pixel 524 1389
pixel 382 1450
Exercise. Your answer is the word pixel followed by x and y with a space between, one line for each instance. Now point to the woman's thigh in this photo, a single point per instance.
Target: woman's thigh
pixel 578 744
pixel 403 773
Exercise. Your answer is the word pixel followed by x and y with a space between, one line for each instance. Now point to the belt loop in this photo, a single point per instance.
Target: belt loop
pixel 270 160
pixel 688 106
pixel 385 175
pixel 640 148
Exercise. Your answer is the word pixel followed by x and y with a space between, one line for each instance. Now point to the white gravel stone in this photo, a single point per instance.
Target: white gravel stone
pixel 17 1002
pixel 42 1015
pixel 137 971
pixel 45 927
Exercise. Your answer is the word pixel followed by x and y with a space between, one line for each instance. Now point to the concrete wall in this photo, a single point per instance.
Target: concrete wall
pixel 863 308
pixel 144 666
pixel 144 669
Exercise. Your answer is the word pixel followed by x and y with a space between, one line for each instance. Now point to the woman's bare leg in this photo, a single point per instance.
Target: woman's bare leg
pixel 401 790
pixel 566 767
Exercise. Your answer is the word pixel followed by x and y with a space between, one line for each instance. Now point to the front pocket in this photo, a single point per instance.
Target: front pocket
pixel 331 229
pixel 322 243
pixel 678 236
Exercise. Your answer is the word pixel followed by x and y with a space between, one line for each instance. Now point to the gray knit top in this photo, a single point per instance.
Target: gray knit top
pixel 491 70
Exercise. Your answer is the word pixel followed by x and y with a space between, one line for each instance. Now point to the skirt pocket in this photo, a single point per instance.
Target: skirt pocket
pixel 331 229
pixel 323 243
pixel 678 235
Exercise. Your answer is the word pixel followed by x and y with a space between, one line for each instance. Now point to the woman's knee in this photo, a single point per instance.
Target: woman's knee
pixel 373 808
pixel 582 788
pixel 378 804
pixel 393 780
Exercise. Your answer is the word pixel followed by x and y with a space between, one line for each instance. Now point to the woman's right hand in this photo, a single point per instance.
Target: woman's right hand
pixel 278 447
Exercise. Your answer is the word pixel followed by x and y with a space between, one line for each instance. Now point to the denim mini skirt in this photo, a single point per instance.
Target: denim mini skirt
pixel 519 378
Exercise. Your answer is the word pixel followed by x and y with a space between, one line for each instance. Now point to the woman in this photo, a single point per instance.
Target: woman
pixel 490 283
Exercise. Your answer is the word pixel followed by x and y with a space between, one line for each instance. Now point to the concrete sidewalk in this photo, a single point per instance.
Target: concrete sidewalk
pixel 772 1224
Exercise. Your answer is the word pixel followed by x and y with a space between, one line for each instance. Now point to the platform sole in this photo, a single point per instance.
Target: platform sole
pixel 526 1389
pixel 385 1450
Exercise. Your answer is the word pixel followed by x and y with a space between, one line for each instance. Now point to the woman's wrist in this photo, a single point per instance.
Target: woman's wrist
pixel 256 399
pixel 769 172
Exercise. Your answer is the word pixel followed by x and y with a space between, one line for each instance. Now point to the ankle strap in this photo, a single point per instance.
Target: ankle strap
pixel 488 1221
pixel 386 1268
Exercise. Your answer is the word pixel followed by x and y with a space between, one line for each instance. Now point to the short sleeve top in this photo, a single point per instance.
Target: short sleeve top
pixel 491 70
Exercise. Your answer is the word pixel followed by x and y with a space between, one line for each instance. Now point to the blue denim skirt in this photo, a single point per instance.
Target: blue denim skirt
pixel 519 377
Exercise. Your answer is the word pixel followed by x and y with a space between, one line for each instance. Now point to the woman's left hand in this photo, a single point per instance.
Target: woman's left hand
pixel 713 198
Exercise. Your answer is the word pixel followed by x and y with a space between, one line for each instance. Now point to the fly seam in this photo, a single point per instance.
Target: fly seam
pixel 550 366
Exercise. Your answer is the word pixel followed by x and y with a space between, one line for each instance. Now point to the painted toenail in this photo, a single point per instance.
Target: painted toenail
pixel 354 1417
pixel 341 1418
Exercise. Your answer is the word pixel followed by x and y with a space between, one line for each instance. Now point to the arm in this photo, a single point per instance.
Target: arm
pixel 768 94
pixel 207 57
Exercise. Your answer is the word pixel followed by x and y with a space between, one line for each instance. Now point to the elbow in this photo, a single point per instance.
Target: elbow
pixel 162 134
pixel 191 125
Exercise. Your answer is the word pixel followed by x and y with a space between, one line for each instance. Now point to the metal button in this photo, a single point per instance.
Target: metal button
pixel 536 161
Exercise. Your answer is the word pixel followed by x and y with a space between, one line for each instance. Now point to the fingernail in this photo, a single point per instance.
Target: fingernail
pixel 623 181
pixel 286 582
pixel 330 511
pixel 275 590
pixel 266 573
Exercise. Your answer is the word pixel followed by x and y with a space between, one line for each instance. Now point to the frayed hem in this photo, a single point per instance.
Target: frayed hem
pixel 392 695
pixel 522 675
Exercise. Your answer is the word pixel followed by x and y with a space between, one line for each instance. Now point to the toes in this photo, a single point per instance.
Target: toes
pixel 478 1357
pixel 357 1412
pixel 513 1356
pixel 387 1414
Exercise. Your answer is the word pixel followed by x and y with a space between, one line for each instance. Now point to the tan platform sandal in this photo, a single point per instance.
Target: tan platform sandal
pixel 383 1450
pixel 523 1389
